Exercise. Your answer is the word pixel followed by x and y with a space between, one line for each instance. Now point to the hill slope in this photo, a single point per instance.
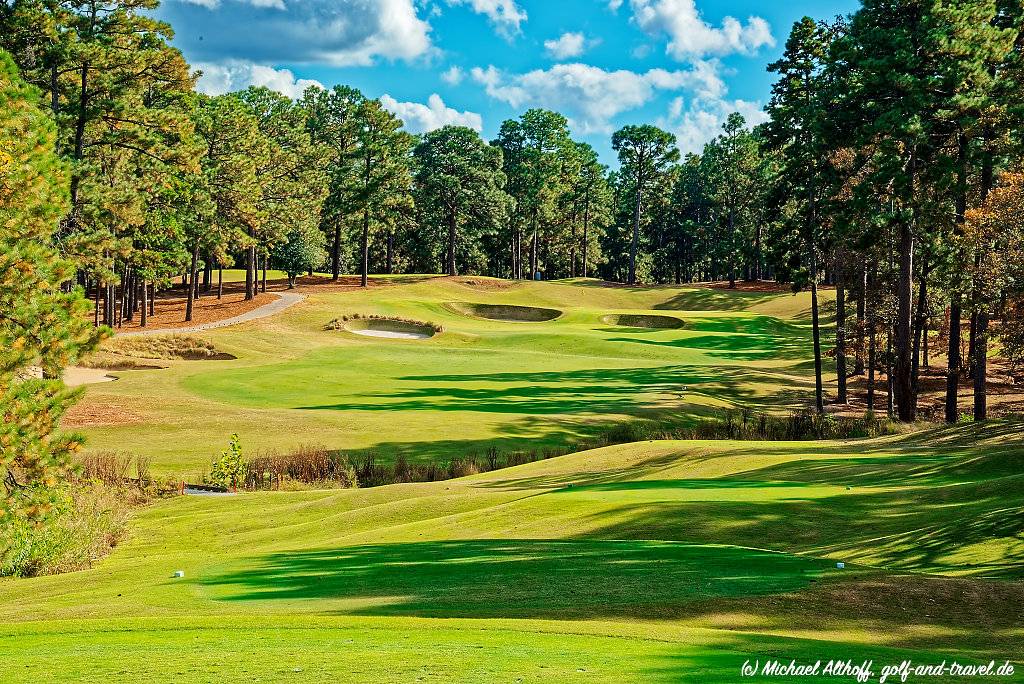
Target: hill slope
pixel 657 561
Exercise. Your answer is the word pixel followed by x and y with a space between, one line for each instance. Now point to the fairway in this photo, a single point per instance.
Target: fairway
pixel 481 383
pixel 654 562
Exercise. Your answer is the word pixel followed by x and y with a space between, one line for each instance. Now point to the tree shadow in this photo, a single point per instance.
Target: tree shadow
pixel 564 579
pixel 599 391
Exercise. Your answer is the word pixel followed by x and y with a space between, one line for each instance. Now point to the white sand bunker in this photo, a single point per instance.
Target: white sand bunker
pixel 394 334
pixel 645 321
pixel 390 328
pixel 505 312
pixel 75 376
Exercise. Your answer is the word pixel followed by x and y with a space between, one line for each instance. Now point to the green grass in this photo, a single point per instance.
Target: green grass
pixel 481 383
pixel 654 562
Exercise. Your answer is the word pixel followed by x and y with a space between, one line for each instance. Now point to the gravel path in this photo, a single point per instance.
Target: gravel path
pixel 284 300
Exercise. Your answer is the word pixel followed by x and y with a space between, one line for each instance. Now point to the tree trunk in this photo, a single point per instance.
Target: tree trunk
pixel 841 343
pixel 732 247
pixel 890 403
pixel 981 368
pixel 534 257
pixel 152 299
pixel 586 237
pixel 336 251
pixel 862 289
pixel 96 310
pixel 919 325
pixel 191 288
pixel 250 273
pixel 953 363
pixel 636 235
pixel 263 281
pixel 452 237
pixel 872 346
pixel 143 308
pixel 390 256
pixel 902 380
pixel 83 104
pixel 220 282
pixel 365 268
pixel 819 399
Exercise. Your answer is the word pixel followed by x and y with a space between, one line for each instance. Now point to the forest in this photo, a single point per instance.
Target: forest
pixel 889 170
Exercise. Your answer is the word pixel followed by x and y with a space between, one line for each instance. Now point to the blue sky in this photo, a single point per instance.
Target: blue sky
pixel 681 64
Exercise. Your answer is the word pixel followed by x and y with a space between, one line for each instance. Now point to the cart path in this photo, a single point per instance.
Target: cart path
pixel 283 301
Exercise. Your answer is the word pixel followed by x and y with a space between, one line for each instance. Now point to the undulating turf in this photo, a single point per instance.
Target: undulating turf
pixel 512 385
pixel 653 562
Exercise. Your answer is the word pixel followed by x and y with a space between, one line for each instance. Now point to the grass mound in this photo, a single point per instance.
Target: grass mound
pixel 653 321
pixel 178 347
pixel 506 312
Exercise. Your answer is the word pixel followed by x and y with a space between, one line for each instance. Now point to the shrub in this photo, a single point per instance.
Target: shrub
pixel 229 469
pixel 307 465
pixel 87 522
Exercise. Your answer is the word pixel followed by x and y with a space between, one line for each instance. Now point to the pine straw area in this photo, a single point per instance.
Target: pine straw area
pixel 99 413
pixel 170 304
pixel 1005 397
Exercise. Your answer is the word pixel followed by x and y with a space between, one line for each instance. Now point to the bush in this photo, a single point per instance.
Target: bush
pixel 309 466
pixel 88 521
pixel 229 469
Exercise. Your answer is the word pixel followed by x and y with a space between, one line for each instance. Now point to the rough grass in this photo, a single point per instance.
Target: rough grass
pixel 656 561
pixel 184 347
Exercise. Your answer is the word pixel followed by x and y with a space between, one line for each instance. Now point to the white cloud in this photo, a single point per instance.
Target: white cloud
pixel 701 120
pixel 423 118
pixel 569 44
pixel 453 76
pixel 692 37
pixel 505 15
pixel 332 32
pixel 213 4
pixel 589 95
pixel 237 75
pixel 614 5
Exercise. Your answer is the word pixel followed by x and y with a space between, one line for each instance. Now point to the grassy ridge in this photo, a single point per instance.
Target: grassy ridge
pixel 481 383
pixel 655 561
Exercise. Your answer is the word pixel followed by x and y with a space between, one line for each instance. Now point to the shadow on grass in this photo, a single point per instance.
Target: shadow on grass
pixel 598 391
pixel 575 579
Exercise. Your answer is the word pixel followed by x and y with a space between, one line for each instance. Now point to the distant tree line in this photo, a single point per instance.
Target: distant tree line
pixel 888 168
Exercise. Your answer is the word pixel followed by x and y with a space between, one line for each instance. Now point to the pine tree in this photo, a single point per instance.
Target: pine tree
pixel 41 324
pixel 460 192
pixel 646 153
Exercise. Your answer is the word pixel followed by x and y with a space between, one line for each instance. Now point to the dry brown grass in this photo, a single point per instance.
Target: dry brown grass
pixel 178 347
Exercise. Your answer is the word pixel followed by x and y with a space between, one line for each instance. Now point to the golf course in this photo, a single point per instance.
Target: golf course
pixel 511 342
pixel 656 561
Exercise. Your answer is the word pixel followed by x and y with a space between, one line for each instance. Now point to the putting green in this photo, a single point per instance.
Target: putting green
pixel 512 385
pixel 653 562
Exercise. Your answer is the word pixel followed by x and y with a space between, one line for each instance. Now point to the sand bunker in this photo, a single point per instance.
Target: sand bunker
pixel 76 375
pixel 648 321
pixel 506 312
pixel 383 327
